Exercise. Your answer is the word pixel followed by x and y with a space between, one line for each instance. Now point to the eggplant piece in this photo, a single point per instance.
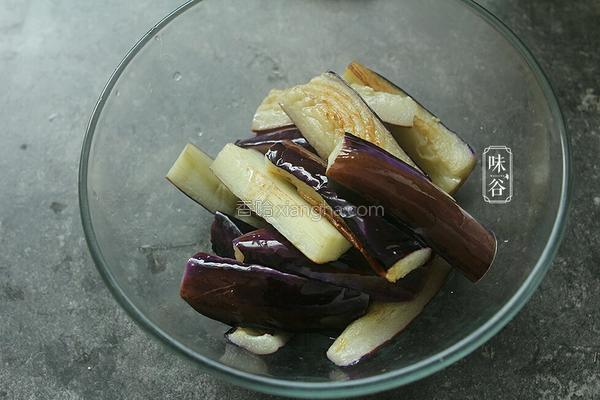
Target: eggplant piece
pixel 257 341
pixel 414 201
pixel 245 174
pixel 363 337
pixel 438 151
pixel 390 108
pixel 267 247
pixel 223 230
pixel 269 114
pixel 391 252
pixel 263 141
pixel 326 107
pixel 254 296
pixel 191 174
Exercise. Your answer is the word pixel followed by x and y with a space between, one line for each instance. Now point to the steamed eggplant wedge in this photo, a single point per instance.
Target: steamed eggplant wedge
pixel 269 114
pixel 363 337
pixel 268 247
pixel 438 151
pixel 391 251
pixel 245 173
pixel 191 174
pixel 254 296
pixel 257 341
pixel 326 107
pixel 264 141
pixel 224 230
pixel 417 203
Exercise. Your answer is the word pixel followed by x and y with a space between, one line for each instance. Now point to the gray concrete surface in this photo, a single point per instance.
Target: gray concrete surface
pixel 62 336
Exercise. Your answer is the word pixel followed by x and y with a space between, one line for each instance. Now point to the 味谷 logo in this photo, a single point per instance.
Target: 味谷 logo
pixel 497 178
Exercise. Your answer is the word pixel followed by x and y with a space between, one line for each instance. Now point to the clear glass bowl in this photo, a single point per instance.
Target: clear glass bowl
pixel 198 76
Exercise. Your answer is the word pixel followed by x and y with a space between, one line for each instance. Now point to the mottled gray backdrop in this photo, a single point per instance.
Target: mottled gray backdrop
pixel 62 336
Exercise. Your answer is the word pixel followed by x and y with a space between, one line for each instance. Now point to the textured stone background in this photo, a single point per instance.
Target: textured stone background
pixel 62 336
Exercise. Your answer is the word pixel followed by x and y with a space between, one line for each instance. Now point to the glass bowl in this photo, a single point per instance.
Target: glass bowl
pixel 197 77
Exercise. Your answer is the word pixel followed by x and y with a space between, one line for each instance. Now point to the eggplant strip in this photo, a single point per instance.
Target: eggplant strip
pixel 224 230
pixel 245 174
pixel 254 296
pixel 267 247
pixel 413 200
pixel 263 141
pixel 391 252
pixel 438 151
pixel 257 341
pixel 191 174
pixel 383 321
pixel 326 107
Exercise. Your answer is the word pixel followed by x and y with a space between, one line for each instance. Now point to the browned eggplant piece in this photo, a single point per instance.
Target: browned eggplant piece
pixel 270 116
pixel 392 252
pixel 223 230
pixel 326 107
pixel 414 201
pixel 268 247
pixel 254 296
pixel 363 337
pixel 438 151
pixel 263 141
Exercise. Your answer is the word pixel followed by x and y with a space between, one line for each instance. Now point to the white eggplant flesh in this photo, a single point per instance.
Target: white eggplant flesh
pixel 326 108
pixel 269 114
pixel 363 337
pixel 245 173
pixel 408 264
pixel 257 341
pixel 191 174
pixel 438 151
pixel 391 108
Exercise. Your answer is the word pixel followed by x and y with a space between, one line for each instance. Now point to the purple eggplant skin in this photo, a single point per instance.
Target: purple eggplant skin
pixel 254 296
pixel 268 247
pixel 263 141
pixel 383 243
pixel 413 200
pixel 223 230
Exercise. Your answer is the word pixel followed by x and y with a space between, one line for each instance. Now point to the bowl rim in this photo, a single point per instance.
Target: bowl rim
pixel 384 381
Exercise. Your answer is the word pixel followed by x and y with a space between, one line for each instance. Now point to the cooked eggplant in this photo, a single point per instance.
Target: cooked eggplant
pixel 391 251
pixel 363 337
pixel 245 174
pixel 267 247
pixel 326 107
pixel 257 341
pixel 191 174
pixel 264 141
pixel 390 108
pixel 438 151
pixel 414 201
pixel 260 297
pixel 223 230
pixel 269 114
